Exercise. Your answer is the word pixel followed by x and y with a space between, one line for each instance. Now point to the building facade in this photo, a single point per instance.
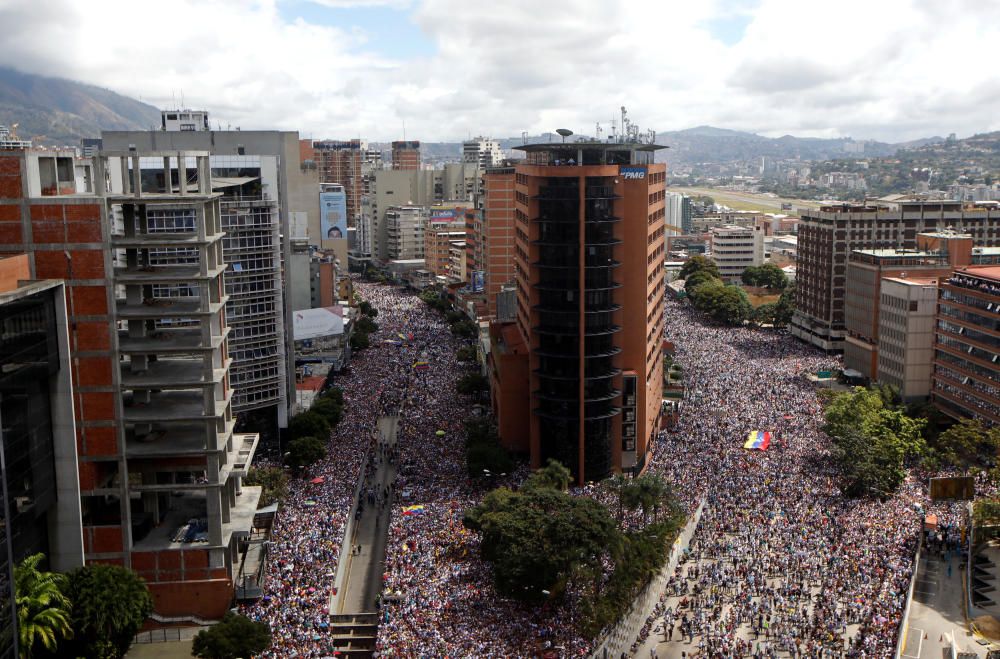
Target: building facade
pixel 966 381
pixel 584 213
pixel 497 235
pixel 343 162
pixel 827 237
pixel 906 335
pixel 405 227
pixel 482 152
pixel 406 155
pixel 734 249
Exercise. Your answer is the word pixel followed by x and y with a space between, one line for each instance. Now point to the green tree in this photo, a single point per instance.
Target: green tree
pixel 466 354
pixel 537 539
pixel 110 603
pixel 273 480
pixel 305 451
pixel 308 424
pixel 554 475
pixel 699 279
pixel 235 636
pixel 785 307
pixel 43 611
pixel 365 325
pixel 359 340
pixel 472 383
pixel 329 409
pixel 765 314
pixel 969 443
pixel 367 309
pixel 698 263
pixel 725 304
pixel 465 328
pixel 765 276
pixel 871 441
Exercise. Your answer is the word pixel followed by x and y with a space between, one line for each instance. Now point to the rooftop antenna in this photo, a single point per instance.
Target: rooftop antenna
pixel 404 130
pixel 598 131
pixel 182 99
pixel 565 132
pixel 524 137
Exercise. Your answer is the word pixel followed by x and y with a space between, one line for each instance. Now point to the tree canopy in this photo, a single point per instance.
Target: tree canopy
pixel 968 443
pixel 109 605
pixel 698 263
pixel 308 424
pixel 765 276
pixel 273 480
pixel 871 440
pixel 305 451
pixel 472 383
pixel 725 304
pixel 233 637
pixel 538 537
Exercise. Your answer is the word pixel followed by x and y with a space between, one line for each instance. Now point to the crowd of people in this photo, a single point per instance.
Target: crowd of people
pixel 782 564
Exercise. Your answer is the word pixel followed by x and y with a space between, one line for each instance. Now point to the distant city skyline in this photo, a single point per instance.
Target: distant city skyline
pixel 893 70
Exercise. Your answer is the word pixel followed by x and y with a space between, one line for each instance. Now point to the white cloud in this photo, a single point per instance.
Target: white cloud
pixel 889 69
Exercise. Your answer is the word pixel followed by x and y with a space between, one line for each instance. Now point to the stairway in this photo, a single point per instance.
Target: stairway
pixel 983 581
pixel 353 634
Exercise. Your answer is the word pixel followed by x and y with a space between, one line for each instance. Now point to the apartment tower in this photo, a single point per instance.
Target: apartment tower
pixel 497 236
pixel 589 308
pixel 406 155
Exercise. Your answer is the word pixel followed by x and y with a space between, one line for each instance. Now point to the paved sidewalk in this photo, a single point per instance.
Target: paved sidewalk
pixel 364 571
pixel 938 612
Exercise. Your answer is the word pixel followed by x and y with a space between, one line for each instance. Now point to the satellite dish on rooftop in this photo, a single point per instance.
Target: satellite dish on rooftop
pixel 565 132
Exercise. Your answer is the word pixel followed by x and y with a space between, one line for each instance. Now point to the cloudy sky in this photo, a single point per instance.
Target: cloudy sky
pixel 448 69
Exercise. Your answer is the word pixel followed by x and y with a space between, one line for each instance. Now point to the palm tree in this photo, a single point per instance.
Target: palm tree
pixel 42 608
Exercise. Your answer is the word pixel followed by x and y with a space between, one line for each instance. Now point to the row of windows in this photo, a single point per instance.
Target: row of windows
pixel 657 215
pixel 657 196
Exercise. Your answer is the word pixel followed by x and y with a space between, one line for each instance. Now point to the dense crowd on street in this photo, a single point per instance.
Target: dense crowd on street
pixel 782 564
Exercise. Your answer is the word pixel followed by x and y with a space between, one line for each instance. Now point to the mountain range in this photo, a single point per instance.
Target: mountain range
pixel 55 111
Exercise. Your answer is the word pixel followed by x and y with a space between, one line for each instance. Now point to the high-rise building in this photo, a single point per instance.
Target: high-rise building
pixel 906 335
pixel 967 345
pixel 589 307
pixel 159 462
pixel 679 213
pixel 498 233
pixel 454 183
pixel 482 152
pixel 445 227
pixel 734 249
pixel 405 232
pixel 40 488
pixel 937 253
pixel 827 236
pixel 264 187
pixel 406 155
pixel 343 162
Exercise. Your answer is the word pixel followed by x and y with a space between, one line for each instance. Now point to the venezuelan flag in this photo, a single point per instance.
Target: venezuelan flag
pixel 758 439
pixel 413 510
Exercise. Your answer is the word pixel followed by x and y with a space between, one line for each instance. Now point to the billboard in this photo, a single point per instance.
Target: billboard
pixel 478 277
pixel 317 323
pixel 333 214
pixel 439 214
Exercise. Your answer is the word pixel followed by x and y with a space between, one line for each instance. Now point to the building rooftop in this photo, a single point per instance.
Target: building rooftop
pixel 589 144
pixel 913 281
pixel 983 271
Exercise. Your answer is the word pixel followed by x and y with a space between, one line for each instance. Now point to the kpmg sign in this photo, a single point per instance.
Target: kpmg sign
pixel 633 173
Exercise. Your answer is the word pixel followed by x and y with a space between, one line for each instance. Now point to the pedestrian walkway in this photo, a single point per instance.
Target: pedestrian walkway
pixel 937 613
pixel 366 547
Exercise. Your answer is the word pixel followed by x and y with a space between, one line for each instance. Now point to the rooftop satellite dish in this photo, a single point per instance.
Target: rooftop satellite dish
pixel 565 132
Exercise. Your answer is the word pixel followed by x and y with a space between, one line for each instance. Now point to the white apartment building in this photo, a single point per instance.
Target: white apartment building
pixel 184 120
pixel 405 232
pixel 483 152
pixel 734 249
pixel 906 335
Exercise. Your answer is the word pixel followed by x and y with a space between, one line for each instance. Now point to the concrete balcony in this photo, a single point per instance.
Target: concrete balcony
pixel 150 240
pixel 186 341
pixel 172 374
pixel 179 441
pixel 176 406
pixel 165 307
pixel 192 505
pixel 166 274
